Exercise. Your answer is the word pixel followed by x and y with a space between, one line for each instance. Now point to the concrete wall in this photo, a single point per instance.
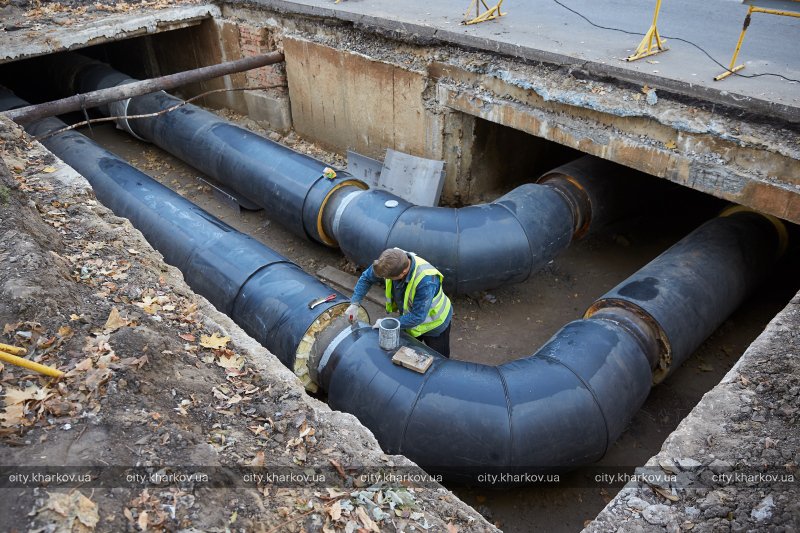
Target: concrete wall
pixel 347 101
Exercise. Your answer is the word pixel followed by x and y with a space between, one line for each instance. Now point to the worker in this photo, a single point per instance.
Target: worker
pixel 414 289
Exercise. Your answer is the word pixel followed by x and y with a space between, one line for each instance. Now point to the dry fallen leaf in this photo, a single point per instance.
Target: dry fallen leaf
pixel 12 415
pixel 187 337
pixel 17 396
pixel 335 510
pixel 452 528
pixel 214 341
pixel 143 521
pixel 338 466
pixel 671 145
pixel 258 460
pixel 49 170
pixel 366 520
pixel 71 512
pixel 115 321
pixel 234 361
pixel 665 494
pixel 84 365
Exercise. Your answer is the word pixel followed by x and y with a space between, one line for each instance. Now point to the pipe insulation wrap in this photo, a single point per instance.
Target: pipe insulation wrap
pixel 273 176
pixel 259 289
pixel 476 248
pixel 559 408
pixel 691 288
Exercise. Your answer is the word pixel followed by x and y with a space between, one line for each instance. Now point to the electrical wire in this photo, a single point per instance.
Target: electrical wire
pixel 680 39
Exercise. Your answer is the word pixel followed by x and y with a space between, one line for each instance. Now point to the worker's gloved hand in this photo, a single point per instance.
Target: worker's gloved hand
pixel 352 312
pixel 377 324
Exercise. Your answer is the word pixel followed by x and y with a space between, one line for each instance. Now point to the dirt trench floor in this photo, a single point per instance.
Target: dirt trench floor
pixel 160 385
pixel 512 322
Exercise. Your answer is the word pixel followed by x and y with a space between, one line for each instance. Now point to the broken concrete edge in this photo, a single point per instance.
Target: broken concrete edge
pixel 111 28
pixel 711 440
pixel 421 34
pixel 361 439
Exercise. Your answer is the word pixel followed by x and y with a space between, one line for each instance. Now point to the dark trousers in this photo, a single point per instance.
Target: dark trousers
pixel 440 343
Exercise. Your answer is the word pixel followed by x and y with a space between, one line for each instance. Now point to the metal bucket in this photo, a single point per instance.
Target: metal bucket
pixel 389 333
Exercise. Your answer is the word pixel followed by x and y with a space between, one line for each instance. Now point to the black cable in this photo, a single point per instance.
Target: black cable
pixel 581 15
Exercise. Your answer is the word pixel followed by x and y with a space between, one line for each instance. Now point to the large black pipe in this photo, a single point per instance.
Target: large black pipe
pixel 565 404
pixel 262 291
pixel 476 248
pixel 556 409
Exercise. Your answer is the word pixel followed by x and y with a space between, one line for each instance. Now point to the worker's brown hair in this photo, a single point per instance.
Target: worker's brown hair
pixel 391 263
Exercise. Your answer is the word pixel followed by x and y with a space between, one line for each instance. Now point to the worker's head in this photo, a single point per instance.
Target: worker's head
pixel 392 264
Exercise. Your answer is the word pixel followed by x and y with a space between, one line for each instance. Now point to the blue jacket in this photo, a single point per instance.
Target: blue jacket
pixel 415 316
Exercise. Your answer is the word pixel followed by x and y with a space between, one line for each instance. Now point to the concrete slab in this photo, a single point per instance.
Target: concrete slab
pixel 545 31
pixel 34 34
pixel 322 83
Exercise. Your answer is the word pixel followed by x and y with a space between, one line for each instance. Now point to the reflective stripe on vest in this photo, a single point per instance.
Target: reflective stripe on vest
pixel 440 305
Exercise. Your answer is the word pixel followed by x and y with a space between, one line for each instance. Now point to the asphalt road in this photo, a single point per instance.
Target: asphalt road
pixel 542 29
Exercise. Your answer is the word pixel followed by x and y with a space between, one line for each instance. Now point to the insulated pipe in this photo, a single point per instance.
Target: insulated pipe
pixel 476 248
pixel 718 264
pixel 564 405
pixel 557 409
pixel 262 291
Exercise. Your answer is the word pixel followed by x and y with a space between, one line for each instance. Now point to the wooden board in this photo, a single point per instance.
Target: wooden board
pixel 347 282
pixel 413 360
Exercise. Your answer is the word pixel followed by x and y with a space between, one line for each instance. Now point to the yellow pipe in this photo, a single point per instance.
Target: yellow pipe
pixel 13 349
pixel 775 12
pixel 655 14
pixel 30 365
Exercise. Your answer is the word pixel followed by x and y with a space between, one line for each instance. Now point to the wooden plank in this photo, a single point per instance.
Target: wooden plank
pixel 346 283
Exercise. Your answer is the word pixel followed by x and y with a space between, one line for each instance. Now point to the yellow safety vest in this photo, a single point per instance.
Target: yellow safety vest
pixel 440 305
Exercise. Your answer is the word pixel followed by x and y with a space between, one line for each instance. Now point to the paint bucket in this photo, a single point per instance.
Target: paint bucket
pixel 389 333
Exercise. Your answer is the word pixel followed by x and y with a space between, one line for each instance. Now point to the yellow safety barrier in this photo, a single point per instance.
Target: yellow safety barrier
pixel 791 8
pixel 30 365
pixel 652 43
pixel 490 13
